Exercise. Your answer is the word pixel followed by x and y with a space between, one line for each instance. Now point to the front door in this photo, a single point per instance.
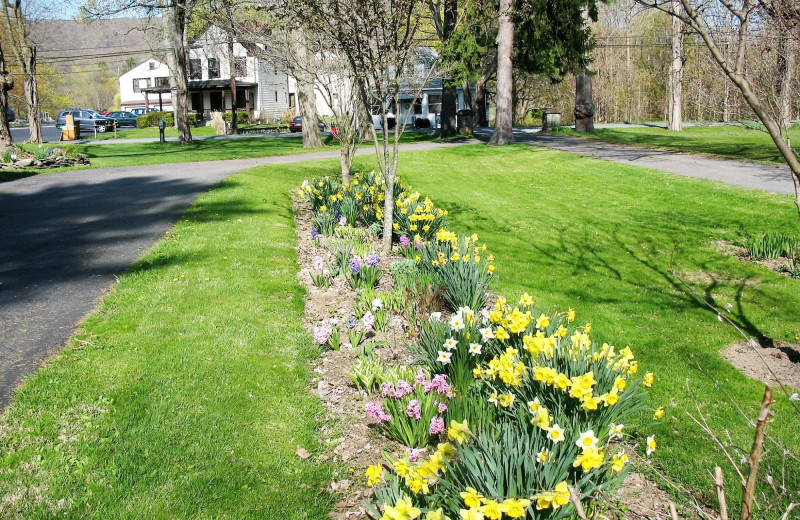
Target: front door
pixel 215 98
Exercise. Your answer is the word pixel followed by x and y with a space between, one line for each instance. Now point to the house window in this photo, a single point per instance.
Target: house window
pixel 161 81
pixel 291 100
pixel 418 106
pixel 213 68
pixel 195 69
pixel 276 96
pixel 434 103
pixel 239 66
pixel 152 65
pixel 140 83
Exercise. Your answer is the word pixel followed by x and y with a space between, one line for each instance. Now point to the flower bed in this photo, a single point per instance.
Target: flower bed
pixel 501 410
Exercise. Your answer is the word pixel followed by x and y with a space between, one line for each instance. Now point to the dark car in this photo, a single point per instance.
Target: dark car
pixel 10 116
pixel 123 118
pixel 89 119
pixel 297 125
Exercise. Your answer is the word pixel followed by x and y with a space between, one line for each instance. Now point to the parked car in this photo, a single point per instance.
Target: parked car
pixel 10 116
pixel 123 118
pixel 141 111
pixel 297 125
pixel 88 119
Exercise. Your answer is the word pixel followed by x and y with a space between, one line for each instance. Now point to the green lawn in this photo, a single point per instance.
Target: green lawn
pixel 728 141
pixel 185 395
pixel 152 133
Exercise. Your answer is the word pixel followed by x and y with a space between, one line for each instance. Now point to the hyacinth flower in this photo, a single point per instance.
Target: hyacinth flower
pixel 327 332
pixel 320 274
pixel 413 413
pixel 364 273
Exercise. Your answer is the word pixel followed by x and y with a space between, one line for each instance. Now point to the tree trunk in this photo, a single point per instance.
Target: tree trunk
pixel 234 121
pixel 32 96
pixel 786 62
pixel 676 71
pixel 6 84
pixel 180 99
pixel 479 103
pixel 503 126
pixel 449 93
pixel 584 105
pixel 306 97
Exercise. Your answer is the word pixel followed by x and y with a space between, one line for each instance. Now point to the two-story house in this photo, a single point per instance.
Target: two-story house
pixel 260 88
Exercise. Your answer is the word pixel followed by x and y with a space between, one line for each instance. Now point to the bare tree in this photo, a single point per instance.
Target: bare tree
pixel 444 14
pixel 699 16
pixel 584 102
pixel 177 15
pixel 301 64
pixel 25 56
pixel 378 40
pixel 503 127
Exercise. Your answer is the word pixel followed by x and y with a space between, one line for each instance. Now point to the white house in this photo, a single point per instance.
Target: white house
pixel 260 88
pixel 134 86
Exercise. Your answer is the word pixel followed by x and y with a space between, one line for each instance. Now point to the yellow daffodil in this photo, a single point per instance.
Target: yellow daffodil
pixel 648 379
pixel 374 474
pixel 515 508
pixel 589 459
pixel 458 431
pixel 471 497
pixel 651 444
pixel 659 413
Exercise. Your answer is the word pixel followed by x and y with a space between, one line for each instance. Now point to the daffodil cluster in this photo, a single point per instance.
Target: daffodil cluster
pixel 464 267
pixel 415 217
pixel 359 201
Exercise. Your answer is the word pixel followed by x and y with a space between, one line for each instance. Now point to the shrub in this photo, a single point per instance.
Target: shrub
pixel 464 268
pixel 241 117
pixel 151 119
pixel 421 122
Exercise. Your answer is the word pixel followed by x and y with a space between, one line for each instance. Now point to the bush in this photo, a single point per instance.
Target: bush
pixel 422 123
pixel 151 120
pixel 241 117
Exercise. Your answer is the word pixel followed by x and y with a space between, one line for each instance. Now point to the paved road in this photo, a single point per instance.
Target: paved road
pixel 65 237
pixel 767 177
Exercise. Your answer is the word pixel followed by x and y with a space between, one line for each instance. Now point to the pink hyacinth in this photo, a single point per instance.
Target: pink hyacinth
pixel 421 378
pixel 387 390
pixel 367 321
pixel 376 411
pixel 442 407
pixel 438 383
pixel 414 453
pixel 318 263
pixel 414 409
pixel 437 426
pixel 322 332
pixel 404 241
pixel 403 389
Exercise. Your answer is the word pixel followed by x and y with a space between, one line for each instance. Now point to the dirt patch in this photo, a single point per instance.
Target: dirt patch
pixel 778 363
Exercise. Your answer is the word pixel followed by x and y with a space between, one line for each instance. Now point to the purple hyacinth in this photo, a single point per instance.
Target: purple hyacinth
pixel 355 264
pixel 338 214
pixel 419 243
pixel 373 259
pixel 314 233
pixel 376 411
pixel 404 241
pixel 437 426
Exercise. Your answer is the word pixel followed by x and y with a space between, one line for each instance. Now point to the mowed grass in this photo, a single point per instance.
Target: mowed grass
pixel 728 141
pixel 604 239
pixel 148 133
pixel 185 394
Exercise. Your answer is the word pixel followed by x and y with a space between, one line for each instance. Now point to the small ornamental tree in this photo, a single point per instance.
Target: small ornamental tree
pixel 377 39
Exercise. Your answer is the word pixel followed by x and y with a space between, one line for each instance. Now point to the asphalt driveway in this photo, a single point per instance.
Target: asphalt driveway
pixel 65 237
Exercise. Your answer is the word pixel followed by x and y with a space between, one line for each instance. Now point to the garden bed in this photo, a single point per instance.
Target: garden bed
pixel 358 442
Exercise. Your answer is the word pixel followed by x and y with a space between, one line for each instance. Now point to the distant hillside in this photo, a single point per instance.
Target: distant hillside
pixel 65 43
